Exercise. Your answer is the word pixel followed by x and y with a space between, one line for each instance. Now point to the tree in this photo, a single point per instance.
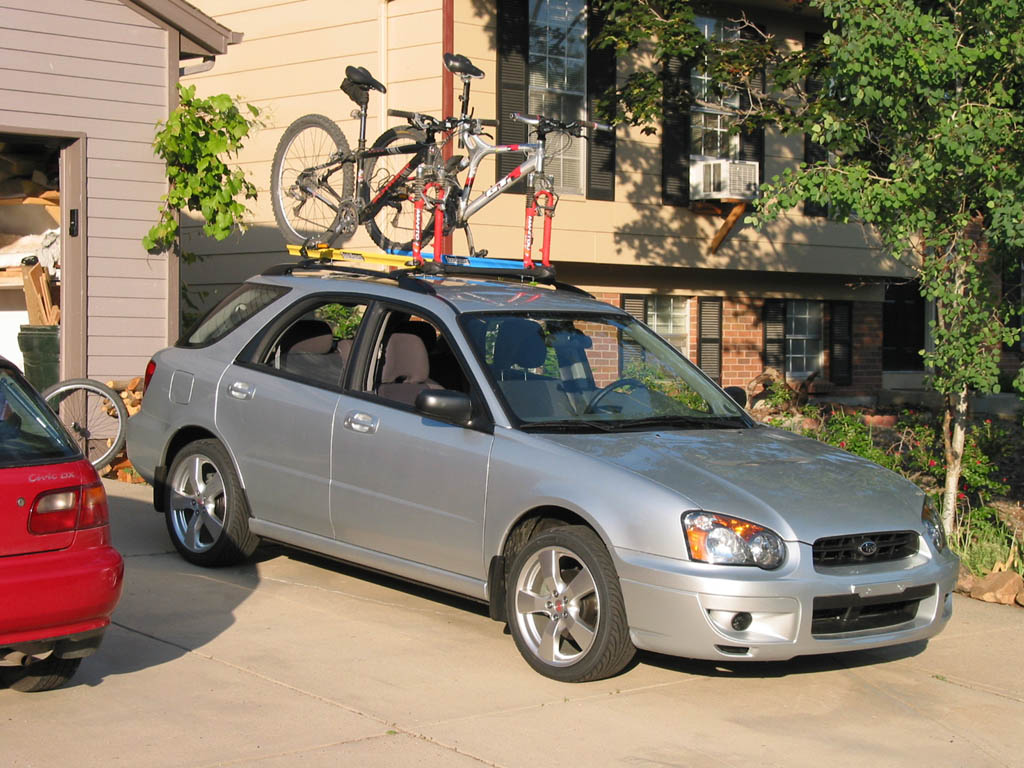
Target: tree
pixel 918 104
pixel 198 135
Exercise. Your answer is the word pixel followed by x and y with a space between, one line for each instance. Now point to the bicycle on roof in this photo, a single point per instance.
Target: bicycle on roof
pixel 323 191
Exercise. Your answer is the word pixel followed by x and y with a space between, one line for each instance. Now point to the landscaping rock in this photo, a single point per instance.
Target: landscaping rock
pixel 965 581
pixel 999 588
pixel 1020 598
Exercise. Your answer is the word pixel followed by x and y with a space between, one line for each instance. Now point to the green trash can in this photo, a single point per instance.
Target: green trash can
pixel 40 348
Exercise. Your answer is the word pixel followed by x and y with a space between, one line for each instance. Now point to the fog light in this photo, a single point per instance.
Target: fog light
pixel 741 621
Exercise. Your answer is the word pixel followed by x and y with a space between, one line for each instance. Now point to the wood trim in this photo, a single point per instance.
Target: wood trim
pixel 74 337
pixel 200 29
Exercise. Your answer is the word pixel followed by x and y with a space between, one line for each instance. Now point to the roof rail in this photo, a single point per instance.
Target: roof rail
pixel 402 277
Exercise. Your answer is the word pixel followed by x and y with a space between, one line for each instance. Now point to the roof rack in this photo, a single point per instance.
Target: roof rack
pixel 400 276
pixel 478 267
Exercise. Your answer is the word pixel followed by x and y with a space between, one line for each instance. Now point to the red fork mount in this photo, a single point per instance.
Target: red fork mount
pixel 436 202
pixel 534 206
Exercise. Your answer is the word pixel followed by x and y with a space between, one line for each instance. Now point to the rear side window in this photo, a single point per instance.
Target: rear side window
pixel 29 431
pixel 241 304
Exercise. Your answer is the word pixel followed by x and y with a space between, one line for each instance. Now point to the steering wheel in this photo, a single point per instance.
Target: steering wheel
pixel 630 381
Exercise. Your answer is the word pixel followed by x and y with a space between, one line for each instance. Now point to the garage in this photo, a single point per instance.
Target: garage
pixel 86 82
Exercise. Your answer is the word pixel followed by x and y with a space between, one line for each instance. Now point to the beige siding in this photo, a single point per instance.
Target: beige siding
pixel 293 59
pixel 100 69
pixel 291 63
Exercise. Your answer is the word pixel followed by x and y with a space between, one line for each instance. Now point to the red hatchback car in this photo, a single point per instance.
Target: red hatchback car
pixel 59 576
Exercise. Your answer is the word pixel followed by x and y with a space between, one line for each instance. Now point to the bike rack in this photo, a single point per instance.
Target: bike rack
pixel 548 211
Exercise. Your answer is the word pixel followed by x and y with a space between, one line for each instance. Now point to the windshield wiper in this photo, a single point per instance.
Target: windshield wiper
pixel 567 425
pixel 676 420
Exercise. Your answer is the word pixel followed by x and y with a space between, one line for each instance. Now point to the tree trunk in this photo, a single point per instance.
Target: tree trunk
pixel 954 434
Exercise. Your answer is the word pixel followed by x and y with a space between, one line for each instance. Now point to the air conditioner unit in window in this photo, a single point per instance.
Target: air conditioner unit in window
pixel 716 179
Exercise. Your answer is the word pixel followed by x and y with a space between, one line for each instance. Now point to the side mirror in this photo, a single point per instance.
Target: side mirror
pixel 738 394
pixel 446 405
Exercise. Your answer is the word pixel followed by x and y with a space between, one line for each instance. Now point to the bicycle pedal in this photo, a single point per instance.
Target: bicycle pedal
pixel 481 254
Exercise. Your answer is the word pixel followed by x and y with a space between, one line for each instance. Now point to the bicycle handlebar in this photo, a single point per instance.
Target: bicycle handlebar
pixel 550 124
pixel 429 121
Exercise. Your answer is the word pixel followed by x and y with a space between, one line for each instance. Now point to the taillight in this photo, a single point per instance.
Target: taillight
pixel 69 509
pixel 150 370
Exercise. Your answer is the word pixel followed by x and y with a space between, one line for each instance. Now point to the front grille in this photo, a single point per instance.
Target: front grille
pixel 859 548
pixel 851 613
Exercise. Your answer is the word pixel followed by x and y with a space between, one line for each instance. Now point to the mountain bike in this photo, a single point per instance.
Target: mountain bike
pixel 322 190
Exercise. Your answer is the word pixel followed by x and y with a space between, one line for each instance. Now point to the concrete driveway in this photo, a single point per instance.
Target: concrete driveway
pixel 296 660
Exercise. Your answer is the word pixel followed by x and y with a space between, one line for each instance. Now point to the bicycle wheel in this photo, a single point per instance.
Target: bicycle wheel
pixel 306 187
pixel 94 414
pixel 392 226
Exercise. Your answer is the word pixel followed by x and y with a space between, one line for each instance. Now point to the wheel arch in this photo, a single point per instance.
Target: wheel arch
pixel 184 436
pixel 529 524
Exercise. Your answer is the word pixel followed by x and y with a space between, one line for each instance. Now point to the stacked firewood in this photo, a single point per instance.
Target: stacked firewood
pixel 131 393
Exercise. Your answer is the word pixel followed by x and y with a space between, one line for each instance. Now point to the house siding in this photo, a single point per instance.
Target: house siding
pixel 290 64
pixel 99 68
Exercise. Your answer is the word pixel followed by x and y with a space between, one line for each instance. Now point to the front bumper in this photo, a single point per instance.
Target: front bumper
pixel 687 609
pixel 51 596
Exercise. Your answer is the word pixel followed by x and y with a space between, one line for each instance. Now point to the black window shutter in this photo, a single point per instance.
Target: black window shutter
pixel 513 60
pixel 631 351
pixel 675 134
pixel 601 146
pixel 775 334
pixel 709 339
pixel 813 152
pixel 752 142
pixel 840 344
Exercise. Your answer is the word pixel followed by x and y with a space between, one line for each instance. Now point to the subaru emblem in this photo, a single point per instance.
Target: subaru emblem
pixel 868 548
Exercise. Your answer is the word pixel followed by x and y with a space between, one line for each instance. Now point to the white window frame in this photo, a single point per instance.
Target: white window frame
pixel 561 149
pixel 815 332
pixel 699 83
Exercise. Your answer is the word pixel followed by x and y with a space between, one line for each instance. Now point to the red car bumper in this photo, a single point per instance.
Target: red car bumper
pixel 48 596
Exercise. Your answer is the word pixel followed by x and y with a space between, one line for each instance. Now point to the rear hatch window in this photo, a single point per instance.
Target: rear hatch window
pixel 30 433
pixel 241 304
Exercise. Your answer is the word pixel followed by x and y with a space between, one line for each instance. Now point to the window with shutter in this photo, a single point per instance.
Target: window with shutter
pixel 841 342
pixel 709 343
pixel 775 334
pixel 545 66
pixel 675 135
pixel 631 351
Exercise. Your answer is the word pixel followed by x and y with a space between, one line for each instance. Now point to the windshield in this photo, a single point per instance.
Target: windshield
pixel 571 373
pixel 29 431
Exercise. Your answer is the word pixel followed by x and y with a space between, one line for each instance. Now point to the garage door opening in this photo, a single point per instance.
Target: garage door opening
pixel 41 256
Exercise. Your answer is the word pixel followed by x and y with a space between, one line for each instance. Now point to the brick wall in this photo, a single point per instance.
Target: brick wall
pixel 867 350
pixel 742 340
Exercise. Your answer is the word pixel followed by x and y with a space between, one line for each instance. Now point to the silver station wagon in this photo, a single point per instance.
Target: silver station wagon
pixel 535 449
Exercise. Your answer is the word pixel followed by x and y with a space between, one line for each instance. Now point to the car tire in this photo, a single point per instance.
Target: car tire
pixel 565 607
pixel 207 511
pixel 42 675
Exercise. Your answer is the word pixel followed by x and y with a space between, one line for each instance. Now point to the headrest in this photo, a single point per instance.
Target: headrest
pixel 310 337
pixel 405 360
pixel 519 342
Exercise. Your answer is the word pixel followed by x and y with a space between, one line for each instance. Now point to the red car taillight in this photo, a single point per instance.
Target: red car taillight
pixel 68 509
pixel 150 370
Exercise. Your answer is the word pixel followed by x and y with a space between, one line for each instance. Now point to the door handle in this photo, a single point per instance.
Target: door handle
pixel 241 390
pixel 361 422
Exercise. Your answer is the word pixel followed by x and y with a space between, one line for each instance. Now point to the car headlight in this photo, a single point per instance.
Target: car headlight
pixel 933 525
pixel 713 538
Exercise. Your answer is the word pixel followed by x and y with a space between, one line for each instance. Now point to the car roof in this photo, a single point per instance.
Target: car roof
pixel 464 293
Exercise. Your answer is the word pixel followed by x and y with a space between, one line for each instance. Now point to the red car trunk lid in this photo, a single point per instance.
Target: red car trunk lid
pixel 19 489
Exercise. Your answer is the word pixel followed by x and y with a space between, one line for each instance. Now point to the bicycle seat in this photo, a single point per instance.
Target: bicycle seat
pixel 360 76
pixel 458 64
